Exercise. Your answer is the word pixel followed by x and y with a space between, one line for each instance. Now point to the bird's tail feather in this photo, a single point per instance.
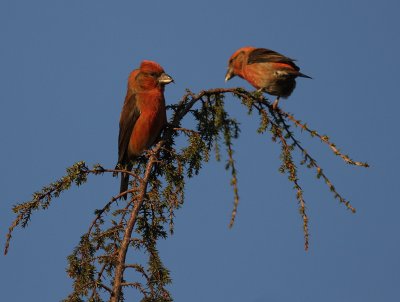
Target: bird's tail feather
pixel 125 180
pixel 304 75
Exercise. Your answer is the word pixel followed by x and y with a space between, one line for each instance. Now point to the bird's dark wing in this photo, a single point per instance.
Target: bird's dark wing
pixel 262 55
pixel 129 115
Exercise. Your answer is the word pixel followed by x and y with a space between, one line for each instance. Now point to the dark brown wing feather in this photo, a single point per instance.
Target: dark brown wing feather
pixel 125 180
pixel 129 115
pixel 262 55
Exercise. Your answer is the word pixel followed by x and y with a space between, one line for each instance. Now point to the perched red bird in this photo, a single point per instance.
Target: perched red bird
pixel 266 70
pixel 143 115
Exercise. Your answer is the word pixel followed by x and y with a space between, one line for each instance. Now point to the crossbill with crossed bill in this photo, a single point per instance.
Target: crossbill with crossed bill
pixel 266 70
pixel 143 115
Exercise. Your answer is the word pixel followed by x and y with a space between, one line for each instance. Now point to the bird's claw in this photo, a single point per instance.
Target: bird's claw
pixel 275 104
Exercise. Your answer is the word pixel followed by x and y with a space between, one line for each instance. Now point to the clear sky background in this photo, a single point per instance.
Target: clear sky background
pixel 63 72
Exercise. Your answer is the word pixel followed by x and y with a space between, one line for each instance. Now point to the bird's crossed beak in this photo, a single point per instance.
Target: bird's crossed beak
pixel 229 74
pixel 165 79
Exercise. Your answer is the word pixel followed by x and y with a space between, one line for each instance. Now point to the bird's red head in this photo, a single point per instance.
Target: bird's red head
pixel 236 62
pixel 149 75
pixel 151 67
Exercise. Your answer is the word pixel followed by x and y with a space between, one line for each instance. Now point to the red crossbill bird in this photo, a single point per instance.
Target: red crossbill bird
pixel 266 70
pixel 143 115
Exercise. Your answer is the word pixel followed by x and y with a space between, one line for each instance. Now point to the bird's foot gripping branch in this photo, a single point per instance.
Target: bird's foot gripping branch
pixel 98 265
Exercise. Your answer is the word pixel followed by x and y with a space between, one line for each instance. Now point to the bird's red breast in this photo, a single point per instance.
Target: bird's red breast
pixel 150 122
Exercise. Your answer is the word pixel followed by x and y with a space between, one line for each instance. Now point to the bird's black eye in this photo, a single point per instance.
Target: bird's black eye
pixel 153 74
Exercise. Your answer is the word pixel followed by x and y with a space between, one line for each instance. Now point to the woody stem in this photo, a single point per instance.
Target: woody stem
pixel 120 267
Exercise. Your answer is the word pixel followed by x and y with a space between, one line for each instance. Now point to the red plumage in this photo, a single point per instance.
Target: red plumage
pixel 143 115
pixel 265 70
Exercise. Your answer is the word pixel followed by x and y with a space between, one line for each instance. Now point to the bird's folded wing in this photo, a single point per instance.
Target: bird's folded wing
pixel 129 115
pixel 263 55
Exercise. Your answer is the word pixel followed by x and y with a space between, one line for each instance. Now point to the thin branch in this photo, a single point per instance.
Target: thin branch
pixel 234 183
pixel 314 163
pixel 107 206
pixel 42 199
pixel 299 195
pixel 119 269
pixel 139 269
pixel 105 287
pixel 99 283
pixel 186 131
pixel 134 284
pixel 324 139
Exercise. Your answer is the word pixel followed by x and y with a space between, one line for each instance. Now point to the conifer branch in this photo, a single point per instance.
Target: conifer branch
pixel 323 138
pixel 157 191
pixel 120 267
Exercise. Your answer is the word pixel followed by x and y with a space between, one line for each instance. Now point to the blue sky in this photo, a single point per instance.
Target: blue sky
pixel 64 66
